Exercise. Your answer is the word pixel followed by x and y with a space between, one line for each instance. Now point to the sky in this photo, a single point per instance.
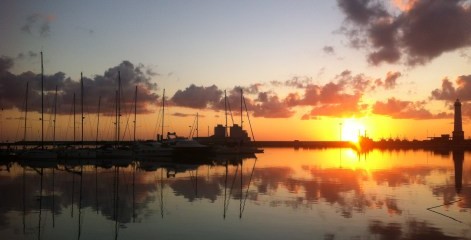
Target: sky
pixel 309 70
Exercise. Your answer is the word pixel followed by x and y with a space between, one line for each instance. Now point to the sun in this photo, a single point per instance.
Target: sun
pixel 351 128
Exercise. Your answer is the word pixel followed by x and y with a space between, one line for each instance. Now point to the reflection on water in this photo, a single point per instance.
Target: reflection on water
pixel 284 193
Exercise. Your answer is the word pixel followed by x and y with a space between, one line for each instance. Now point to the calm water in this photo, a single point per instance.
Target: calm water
pixel 283 194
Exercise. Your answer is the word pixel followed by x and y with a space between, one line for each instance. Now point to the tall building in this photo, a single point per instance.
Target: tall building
pixel 458 134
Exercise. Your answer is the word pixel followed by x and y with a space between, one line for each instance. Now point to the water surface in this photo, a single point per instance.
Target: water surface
pixel 281 194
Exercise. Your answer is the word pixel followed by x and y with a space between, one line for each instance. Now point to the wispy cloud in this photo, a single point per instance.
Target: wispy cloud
pixel 406 110
pixel 38 23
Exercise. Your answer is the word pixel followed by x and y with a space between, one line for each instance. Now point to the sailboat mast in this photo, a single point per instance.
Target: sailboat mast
pixel 163 113
pixel 54 121
pixel 119 103
pixel 81 101
pixel 74 116
pixel 135 113
pixel 26 111
pixel 116 118
pixel 241 104
pixel 98 120
pixel 225 113
pixel 42 102
pixel 197 125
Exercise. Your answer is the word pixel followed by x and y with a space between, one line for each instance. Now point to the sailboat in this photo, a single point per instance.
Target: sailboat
pixel 147 150
pixel 78 153
pixel 238 142
pixel 117 151
pixel 39 152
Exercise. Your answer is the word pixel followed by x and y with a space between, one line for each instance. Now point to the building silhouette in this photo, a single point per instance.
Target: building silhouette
pixel 458 134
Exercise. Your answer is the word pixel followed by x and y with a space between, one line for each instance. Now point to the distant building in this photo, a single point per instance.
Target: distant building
pixel 236 132
pixel 458 134
pixel 236 136
pixel 219 131
pixel 443 138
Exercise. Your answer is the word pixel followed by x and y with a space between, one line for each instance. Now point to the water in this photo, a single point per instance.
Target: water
pixel 283 194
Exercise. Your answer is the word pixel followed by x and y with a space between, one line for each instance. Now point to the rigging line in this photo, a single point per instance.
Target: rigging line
pixel 446 204
pixel 193 128
pixel 248 118
pixel 230 112
pixel 127 120
pixel 68 122
pixel 157 124
pixel 232 186
pixel 250 180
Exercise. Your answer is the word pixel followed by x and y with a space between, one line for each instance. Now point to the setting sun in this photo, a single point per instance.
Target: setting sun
pixel 350 129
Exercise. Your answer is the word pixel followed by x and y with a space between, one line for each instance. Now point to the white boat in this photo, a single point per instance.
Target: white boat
pixel 151 149
pixel 186 147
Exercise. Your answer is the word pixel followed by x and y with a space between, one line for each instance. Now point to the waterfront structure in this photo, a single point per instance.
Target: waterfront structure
pixel 458 134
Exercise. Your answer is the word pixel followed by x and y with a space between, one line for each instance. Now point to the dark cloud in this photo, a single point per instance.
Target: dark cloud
pixel 179 114
pixel 449 92
pixel 390 81
pixel 406 110
pixel 28 55
pixel 298 82
pixel 268 105
pixel 252 89
pixel 361 11
pixel 421 32
pixel 264 104
pixel 328 50
pixel 5 64
pixel 13 89
pixel 38 23
pixel 197 97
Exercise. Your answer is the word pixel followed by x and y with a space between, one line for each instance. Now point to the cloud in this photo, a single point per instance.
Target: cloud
pixel 197 96
pixel 268 105
pixel 390 81
pixel 448 92
pixel 339 97
pixel 406 110
pixel 329 50
pixel 422 31
pixel 179 114
pixel 5 64
pixel 13 88
pixel 361 11
pixel 263 104
pixel 28 55
pixel 346 108
pixel 38 23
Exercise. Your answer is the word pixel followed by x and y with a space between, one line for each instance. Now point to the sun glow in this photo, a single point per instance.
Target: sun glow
pixel 350 129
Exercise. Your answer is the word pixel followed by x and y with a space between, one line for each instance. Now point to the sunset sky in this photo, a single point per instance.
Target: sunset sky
pixel 308 68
